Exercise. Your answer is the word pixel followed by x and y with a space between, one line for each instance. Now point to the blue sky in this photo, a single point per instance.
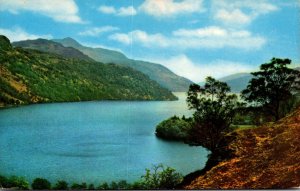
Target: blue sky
pixel 194 38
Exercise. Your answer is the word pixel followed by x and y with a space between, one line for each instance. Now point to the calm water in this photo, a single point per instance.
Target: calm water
pixel 92 141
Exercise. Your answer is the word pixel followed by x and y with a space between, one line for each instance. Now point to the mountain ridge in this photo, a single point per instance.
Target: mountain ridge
pixel 157 72
pixel 52 47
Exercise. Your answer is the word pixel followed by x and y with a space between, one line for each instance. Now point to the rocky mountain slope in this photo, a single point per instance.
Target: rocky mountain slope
pixel 264 157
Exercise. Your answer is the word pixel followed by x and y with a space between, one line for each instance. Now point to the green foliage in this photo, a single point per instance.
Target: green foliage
pixel 156 72
pixel 76 186
pixel 272 86
pixel 103 186
pixel 4 43
pixel 214 111
pixel 4 182
pixel 52 78
pixel 41 184
pixel 160 178
pixel 14 182
pixel 174 128
pixel 91 187
pixel 61 185
pixel 18 182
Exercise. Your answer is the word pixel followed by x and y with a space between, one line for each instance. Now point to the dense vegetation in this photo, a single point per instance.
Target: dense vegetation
pixel 30 76
pixel 174 128
pixel 157 72
pixel 158 177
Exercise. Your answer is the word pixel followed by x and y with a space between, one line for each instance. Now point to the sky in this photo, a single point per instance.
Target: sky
pixel 193 38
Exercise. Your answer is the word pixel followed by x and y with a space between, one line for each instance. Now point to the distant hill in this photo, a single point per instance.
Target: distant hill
pixel 237 82
pixel 31 76
pixel 52 47
pixel 265 157
pixel 156 72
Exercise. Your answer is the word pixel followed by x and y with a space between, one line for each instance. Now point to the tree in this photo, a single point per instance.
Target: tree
pixel 274 84
pixel 41 184
pixel 214 111
pixel 160 178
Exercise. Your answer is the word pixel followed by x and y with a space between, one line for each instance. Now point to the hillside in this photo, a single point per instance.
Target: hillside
pixel 264 157
pixel 31 76
pixel 52 47
pixel 156 72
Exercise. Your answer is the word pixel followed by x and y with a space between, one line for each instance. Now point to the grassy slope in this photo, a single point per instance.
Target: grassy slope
pixel 265 157
pixel 29 76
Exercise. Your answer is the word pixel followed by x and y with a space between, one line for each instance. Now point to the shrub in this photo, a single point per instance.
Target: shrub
pixel 61 185
pixel 160 178
pixel 41 184
pixel 18 182
pixel 103 186
pixel 76 186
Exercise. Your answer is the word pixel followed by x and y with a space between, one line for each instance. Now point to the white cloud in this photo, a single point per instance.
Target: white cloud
pixel 122 11
pixel 197 72
pixel 232 17
pixel 127 11
pixel 121 37
pixel 202 32
pixel 169 8
pixel 96 31
pixel 60 11
pixel 237 12
pixel 212 37
pixel 19 34
pixel 107 9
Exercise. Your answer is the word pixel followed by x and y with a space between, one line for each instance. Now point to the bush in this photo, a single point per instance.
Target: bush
pixel 91 187
pixel 4 183
pixel 41 184
pixel 103 186
pixel 61 185
pixel 76 186
pixel 18 182
pixel 161 178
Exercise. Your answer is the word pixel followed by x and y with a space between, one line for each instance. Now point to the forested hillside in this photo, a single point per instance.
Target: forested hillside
pixel 157 72
pixel 31 76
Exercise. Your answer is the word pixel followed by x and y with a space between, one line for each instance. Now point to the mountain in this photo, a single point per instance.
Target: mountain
pixel 266 157
pixel 156 72
pixel 32 76
pixel 52 47
pixel 237 82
